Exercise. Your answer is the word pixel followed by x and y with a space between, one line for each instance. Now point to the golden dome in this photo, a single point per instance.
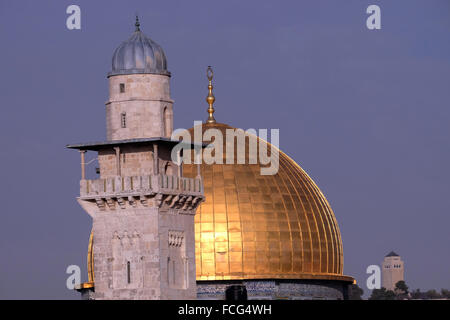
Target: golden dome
pixel 254 226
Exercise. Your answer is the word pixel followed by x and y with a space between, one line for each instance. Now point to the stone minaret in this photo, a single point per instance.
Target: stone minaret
pixel 141 205
pixel 393 270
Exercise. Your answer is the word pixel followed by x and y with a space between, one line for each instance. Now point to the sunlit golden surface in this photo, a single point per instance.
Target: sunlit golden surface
pixel 90 258
pixel 253 226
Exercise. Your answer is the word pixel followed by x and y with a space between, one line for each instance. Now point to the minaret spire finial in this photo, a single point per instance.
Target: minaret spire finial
pixel 137 24
pixel 210 98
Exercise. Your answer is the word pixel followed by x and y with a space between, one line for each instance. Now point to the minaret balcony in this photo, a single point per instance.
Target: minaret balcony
pixel 139 185
pixel 168 192
pixel 163 191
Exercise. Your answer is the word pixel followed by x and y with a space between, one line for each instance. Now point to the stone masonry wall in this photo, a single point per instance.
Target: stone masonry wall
pixel 131 249
pixel 134 161
pixel 275 290
pixel 145 104
pixel 127 235
pixel 185 266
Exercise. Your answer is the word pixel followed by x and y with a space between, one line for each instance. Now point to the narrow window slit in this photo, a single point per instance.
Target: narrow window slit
pixel 128 272
pixel 173 265
pixel 123 119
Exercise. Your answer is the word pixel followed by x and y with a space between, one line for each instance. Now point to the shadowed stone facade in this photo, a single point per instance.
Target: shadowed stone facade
pixel 144 242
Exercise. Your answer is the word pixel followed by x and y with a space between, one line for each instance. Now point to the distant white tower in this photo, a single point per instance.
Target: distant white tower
pixel 393 270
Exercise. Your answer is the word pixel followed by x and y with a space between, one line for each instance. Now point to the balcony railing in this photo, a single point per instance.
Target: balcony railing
pixel 139 185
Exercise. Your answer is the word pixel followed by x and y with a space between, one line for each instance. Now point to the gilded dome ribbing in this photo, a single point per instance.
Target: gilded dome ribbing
pixel 254 226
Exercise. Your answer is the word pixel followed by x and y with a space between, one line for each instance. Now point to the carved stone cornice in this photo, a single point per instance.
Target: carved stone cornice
pixel 184 203
pixel 166 192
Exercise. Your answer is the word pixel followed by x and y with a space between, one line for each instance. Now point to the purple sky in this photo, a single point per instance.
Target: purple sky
pixel 365 113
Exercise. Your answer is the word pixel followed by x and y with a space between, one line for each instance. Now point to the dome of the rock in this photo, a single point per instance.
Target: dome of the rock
pixel 254 226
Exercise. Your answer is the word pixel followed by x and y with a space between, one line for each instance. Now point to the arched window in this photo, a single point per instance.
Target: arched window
pixel 166 122
pixel 168 169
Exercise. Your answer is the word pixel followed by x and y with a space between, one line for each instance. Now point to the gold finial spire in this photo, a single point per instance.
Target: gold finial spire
pixel 210 98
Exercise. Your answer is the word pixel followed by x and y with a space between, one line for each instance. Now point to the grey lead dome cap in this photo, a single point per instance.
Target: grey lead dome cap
pixel 139 54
